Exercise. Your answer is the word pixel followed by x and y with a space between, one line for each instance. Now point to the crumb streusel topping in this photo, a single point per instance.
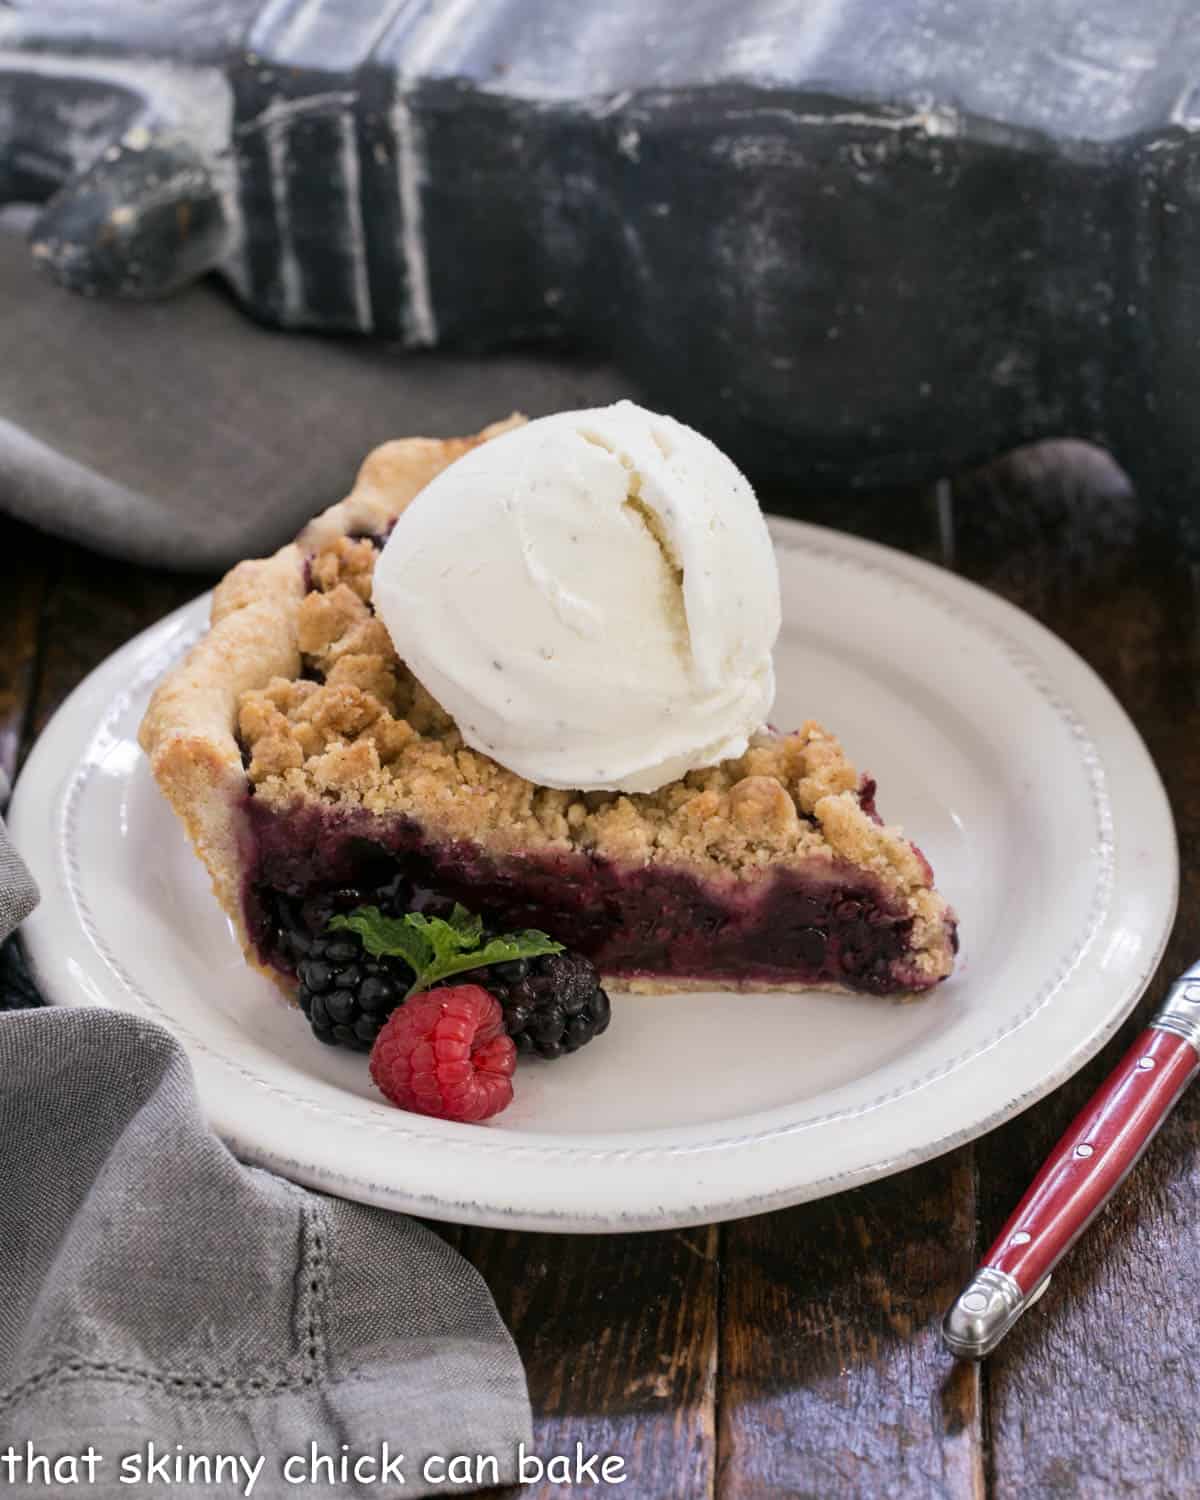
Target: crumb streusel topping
pixel 358 731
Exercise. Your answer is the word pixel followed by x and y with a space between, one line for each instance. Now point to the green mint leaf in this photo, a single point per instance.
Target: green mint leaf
pixel 470 926
pixel 446 943
pixel 388 937
pixel 435 948
pixel 460 932
pixel 530 944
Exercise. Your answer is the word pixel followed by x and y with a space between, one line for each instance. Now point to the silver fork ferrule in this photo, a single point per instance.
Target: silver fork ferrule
pixel 1180 1011
pixel 982 1313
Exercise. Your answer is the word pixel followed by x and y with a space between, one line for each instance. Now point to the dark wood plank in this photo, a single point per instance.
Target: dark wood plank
pixel 94 606
pixel 1095 1392
pixel 26 568
pixel 833 1382
pixel 619 1338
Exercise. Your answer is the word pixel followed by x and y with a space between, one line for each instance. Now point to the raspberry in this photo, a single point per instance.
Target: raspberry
pixel 445 1053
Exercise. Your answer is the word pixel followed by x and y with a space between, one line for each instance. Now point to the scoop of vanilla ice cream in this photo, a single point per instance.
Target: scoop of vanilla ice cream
pixel 592 596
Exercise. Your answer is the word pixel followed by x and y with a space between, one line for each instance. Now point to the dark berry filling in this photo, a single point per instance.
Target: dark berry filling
pixel 828 922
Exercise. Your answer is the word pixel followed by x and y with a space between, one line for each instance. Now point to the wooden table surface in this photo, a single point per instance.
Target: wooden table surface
pixel 798 1353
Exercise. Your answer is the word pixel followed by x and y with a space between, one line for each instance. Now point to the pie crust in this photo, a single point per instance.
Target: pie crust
pixel 294 700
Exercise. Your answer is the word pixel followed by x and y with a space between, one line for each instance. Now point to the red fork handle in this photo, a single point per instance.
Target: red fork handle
pixel 1090 1162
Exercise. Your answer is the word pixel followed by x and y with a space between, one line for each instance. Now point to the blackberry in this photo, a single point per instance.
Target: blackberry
pixel 346 994
pixel 552 1005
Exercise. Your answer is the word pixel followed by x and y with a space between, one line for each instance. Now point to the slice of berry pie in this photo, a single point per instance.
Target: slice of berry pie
pixel 316 775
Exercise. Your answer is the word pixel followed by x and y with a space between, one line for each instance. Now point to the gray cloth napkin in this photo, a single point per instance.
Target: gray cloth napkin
pixel 18 894
pixel 158 1292
pixel 180 433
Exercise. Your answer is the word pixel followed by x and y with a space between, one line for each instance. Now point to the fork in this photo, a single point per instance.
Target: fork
pixel 1094 1156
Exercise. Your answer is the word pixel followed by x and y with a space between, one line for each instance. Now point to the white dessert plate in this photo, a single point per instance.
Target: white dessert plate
pixel 994 745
